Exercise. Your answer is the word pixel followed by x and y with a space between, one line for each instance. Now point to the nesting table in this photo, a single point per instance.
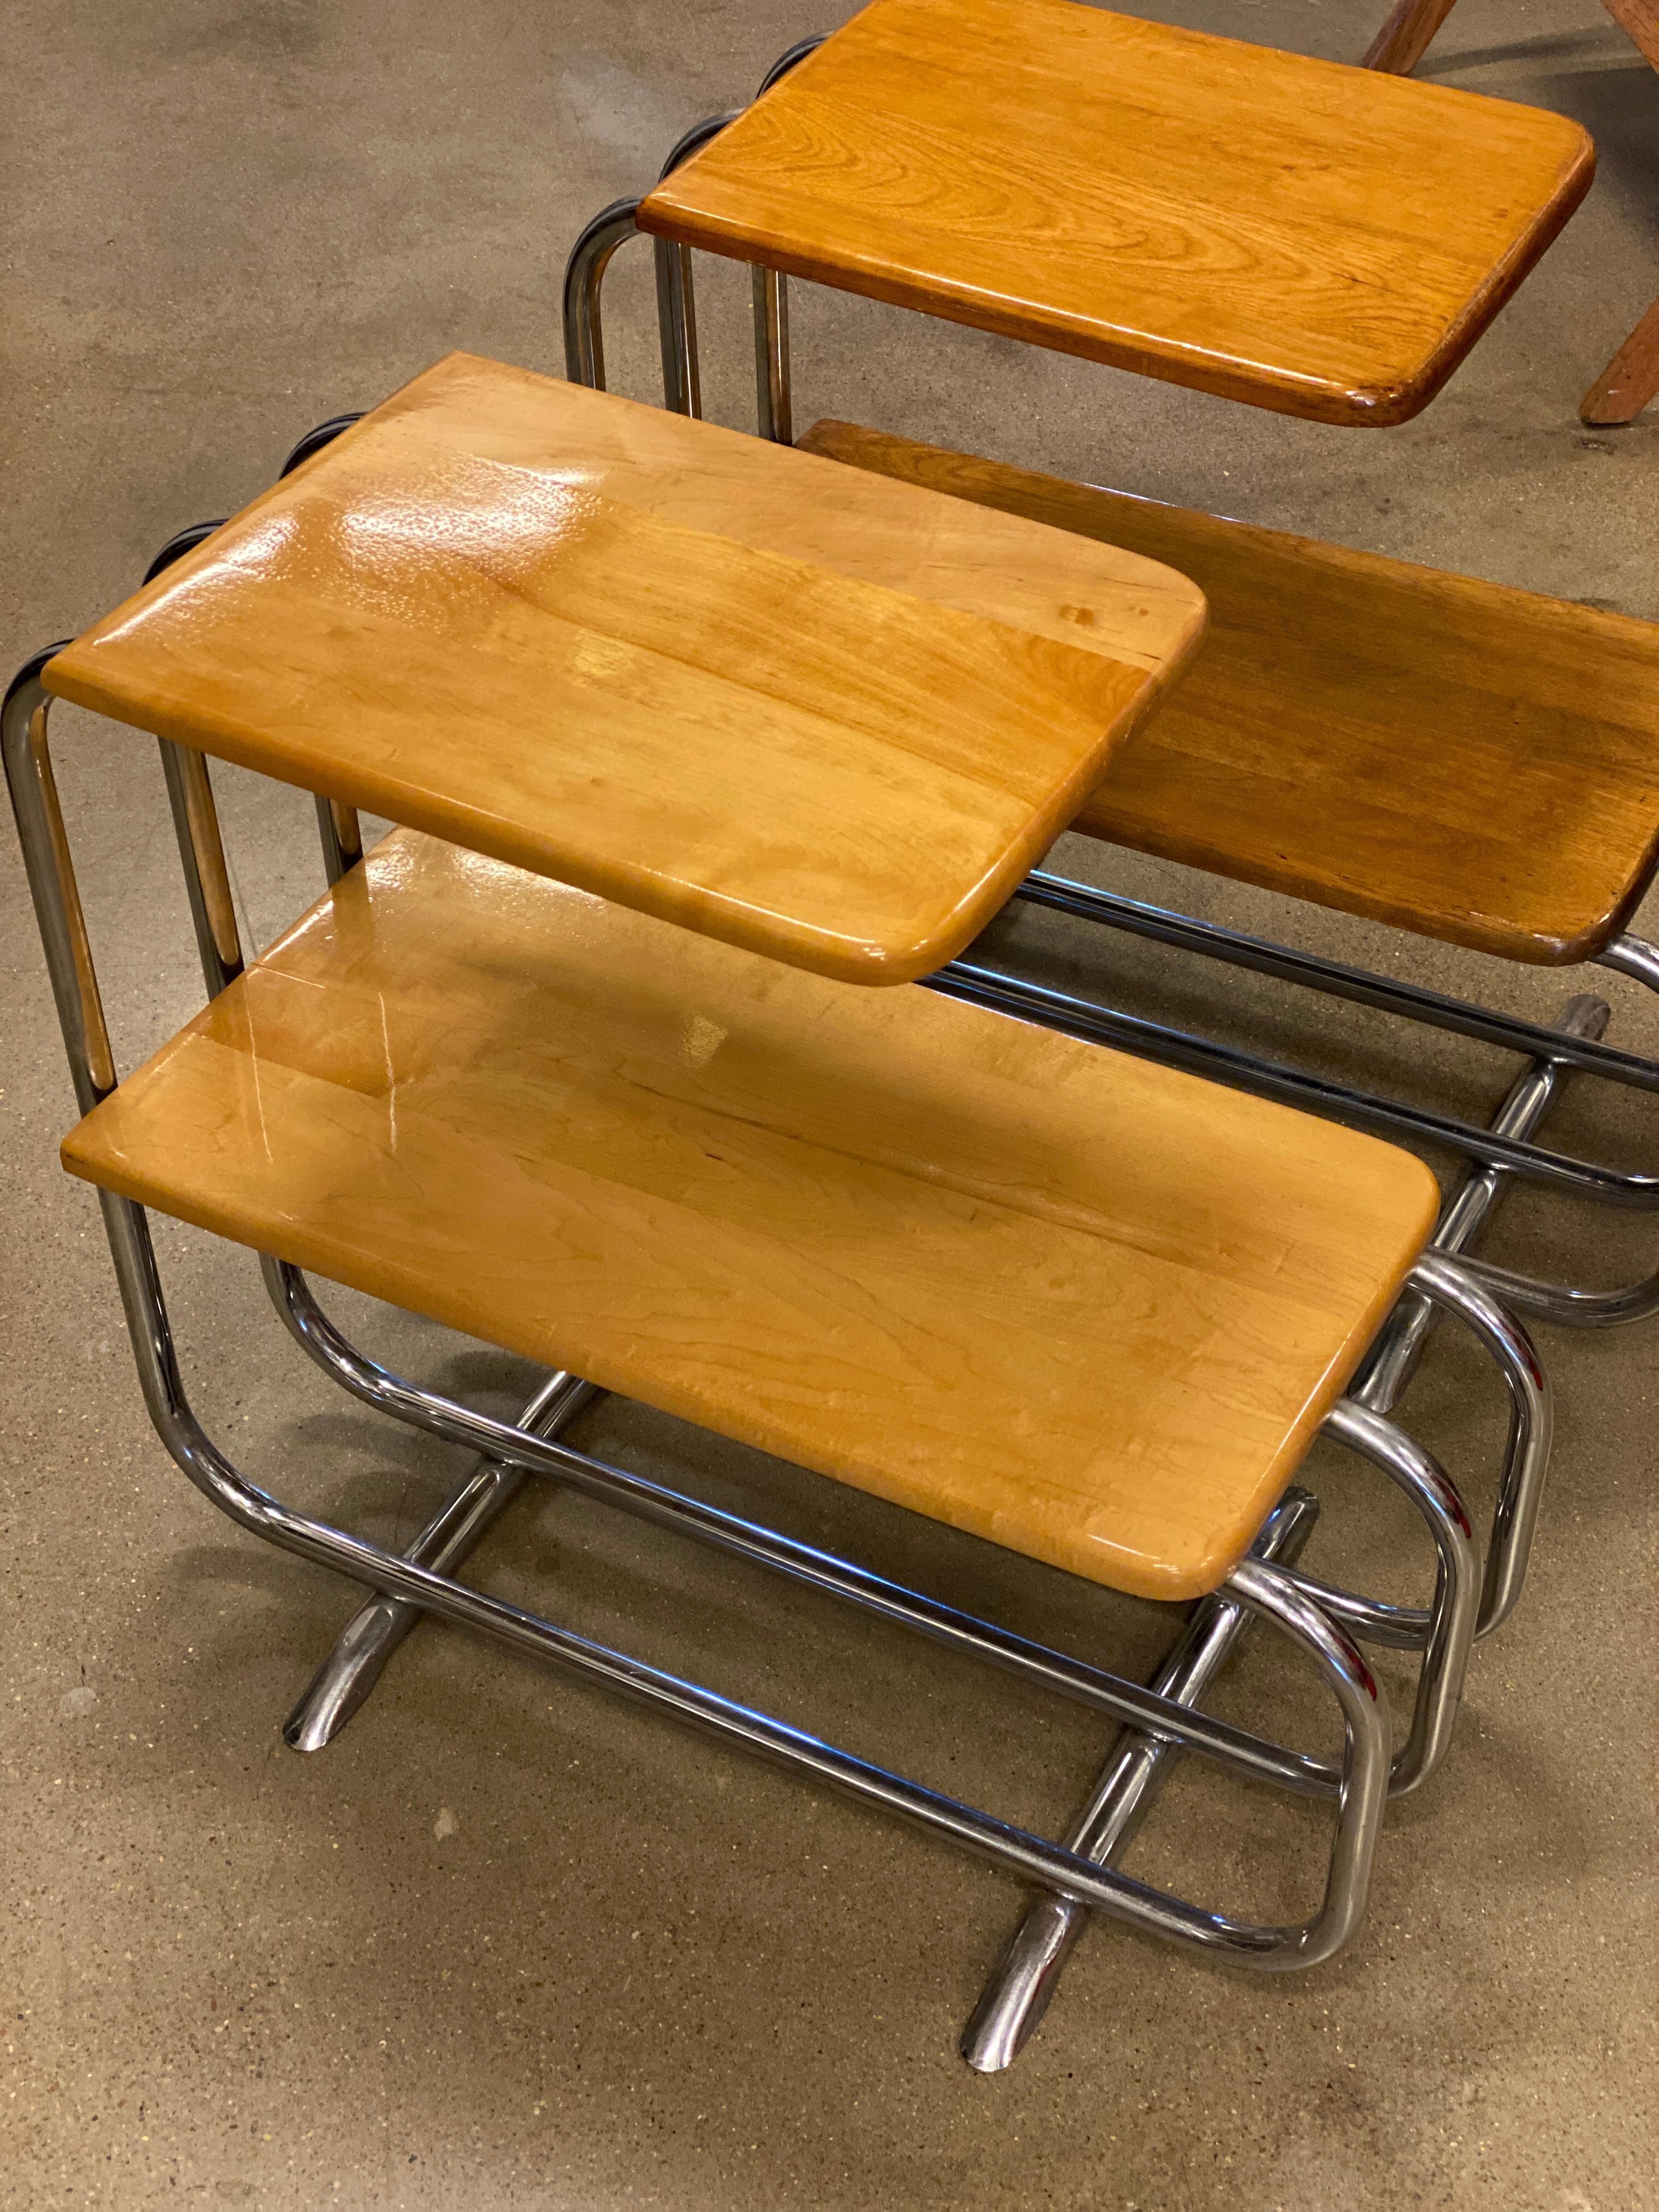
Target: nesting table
pixel 700 749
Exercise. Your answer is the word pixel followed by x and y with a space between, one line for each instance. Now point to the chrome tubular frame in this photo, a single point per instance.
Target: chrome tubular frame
pixel 368 1639
pixel 1158 1722
pixel 1017 1995
pixel 677 313
pixel 1256 1585
pixel 1443 1632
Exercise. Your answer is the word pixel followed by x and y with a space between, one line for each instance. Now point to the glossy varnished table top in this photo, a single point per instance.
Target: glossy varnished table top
pixel 1324 240
pixel 826 716
pixel 1476 763
pixel 1090 1308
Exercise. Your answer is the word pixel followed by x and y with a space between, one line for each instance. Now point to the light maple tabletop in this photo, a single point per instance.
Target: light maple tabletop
pixel 826 716
pixel 1322 240
pixel 1453 756
pixel 1085 1306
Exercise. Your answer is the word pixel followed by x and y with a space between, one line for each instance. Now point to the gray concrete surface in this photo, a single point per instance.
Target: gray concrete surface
pixel 505 1945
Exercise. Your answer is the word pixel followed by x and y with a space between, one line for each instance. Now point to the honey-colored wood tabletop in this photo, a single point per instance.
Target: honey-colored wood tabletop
pixel 829 717
pixel 1088 1307
pixel 1303 236
pixel 1476 763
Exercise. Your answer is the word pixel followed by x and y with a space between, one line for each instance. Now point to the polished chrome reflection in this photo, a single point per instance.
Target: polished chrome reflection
pixel 676 304
pixel 1291 1086
pixel 1045 1668
pixel 1016 1995
pixel 368 1639
pixel 584 279
pixel 342 837
pixel 51 871
pixel 773 411
pixel 1390 1364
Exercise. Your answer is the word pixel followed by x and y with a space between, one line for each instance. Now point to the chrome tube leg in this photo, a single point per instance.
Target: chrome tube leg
pixel 1050 1866
pixel 1014 2000
pixel 1562 1302
pixel 1448 1629
pixel 201 856
pixel 584 280
pixel 1452 1284
pixel 51 871
pixel 1273 1593
pixel 368 1639
pixel 677 297
pixel 341 835
pixel 1390 1364
pixel 677 329
pixel 772 408
pixel 195 821
pixel 1045 1668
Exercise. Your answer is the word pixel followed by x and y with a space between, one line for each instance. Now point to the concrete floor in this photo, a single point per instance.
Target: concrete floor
pixel 506 1944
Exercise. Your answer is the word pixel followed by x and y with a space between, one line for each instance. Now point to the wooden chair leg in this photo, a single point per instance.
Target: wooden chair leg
pixel 1631 378
pixel 1404 39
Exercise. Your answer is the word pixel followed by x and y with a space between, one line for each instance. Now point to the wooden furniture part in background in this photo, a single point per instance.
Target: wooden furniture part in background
pixel 1469 762
pixel 1282 231
pixel 1090 1308
pixel 827 717
pixel 1632 378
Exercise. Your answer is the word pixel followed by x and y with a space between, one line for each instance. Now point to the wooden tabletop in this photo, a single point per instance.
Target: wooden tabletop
pixel 1474 763
pixel 1322 240
pixel 1085 1306
pixel 829 717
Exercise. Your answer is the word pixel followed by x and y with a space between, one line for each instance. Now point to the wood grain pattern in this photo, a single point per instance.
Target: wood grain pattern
pixel 827 717
pixel 1089 1308
pixel 1475 763
pixel 1322 240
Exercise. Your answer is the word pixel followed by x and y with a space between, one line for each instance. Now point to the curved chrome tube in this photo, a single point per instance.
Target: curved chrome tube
pixel 50 872
pixel 375 1385
pixel 368 1639
pixel 584 277
pixel 321 434
pixel 791 58
pixel 770 298
pixel 1453 1285
pixel 1565 1304
pixel 1632 956
pixel 1261 1587
pixel 181 541
pixel 1017 1995
pixel 676 304
pixel 1450 1620
pixel 677 313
